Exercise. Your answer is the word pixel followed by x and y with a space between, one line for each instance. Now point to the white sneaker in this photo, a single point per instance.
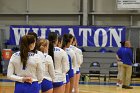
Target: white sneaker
pixel 73 90
pixel 117 84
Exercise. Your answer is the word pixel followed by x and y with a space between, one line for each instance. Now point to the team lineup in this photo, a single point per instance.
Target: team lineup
pixel 70 46
pixel 47 65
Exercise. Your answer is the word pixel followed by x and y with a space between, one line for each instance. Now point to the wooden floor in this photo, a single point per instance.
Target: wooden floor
pixel 8 87
pixel 106 89
pixel 85 89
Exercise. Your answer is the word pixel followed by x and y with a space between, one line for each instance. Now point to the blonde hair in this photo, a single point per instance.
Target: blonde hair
pixel 42 42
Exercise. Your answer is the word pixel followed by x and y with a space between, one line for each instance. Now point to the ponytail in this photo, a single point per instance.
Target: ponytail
pixel 52 37
pixel 51 50
pixel 26 40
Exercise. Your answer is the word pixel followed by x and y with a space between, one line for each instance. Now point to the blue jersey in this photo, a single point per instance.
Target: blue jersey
pixel 126 55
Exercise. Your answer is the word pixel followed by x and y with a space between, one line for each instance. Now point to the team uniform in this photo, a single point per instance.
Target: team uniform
pixel 60 66
pixel 48 71
pixel 79 58
pixel 72 62
pixel 49 74
pixel 33 69
pixel 79 61
pixel 66 75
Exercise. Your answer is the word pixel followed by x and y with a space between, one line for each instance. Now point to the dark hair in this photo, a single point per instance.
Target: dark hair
pixel 52 37
pixel 60 38
pixel 74 40
pixel 122 43
pixel 70 36
pixel 26 40
pixel 66 40
pixel 35 35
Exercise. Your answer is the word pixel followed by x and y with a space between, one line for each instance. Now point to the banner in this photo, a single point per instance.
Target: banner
pixel 86 35
pixel 128 4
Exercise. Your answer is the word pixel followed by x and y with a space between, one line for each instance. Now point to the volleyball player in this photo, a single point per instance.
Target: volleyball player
pixel 79 60
pixel 66 76
pixel 72 72
pixel 25 67
pixel 60 62
pixel 72 62
pixel 40 53
pixel 48 67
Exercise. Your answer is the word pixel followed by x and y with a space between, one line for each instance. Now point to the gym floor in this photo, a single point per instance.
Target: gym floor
pixel 7 86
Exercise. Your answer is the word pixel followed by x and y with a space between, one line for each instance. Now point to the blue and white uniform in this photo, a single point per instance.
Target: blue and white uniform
pixel 33 69
pixel 48 72
pixel 72 60
pixel 79 58
pixel 60 66
pixel 66 76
